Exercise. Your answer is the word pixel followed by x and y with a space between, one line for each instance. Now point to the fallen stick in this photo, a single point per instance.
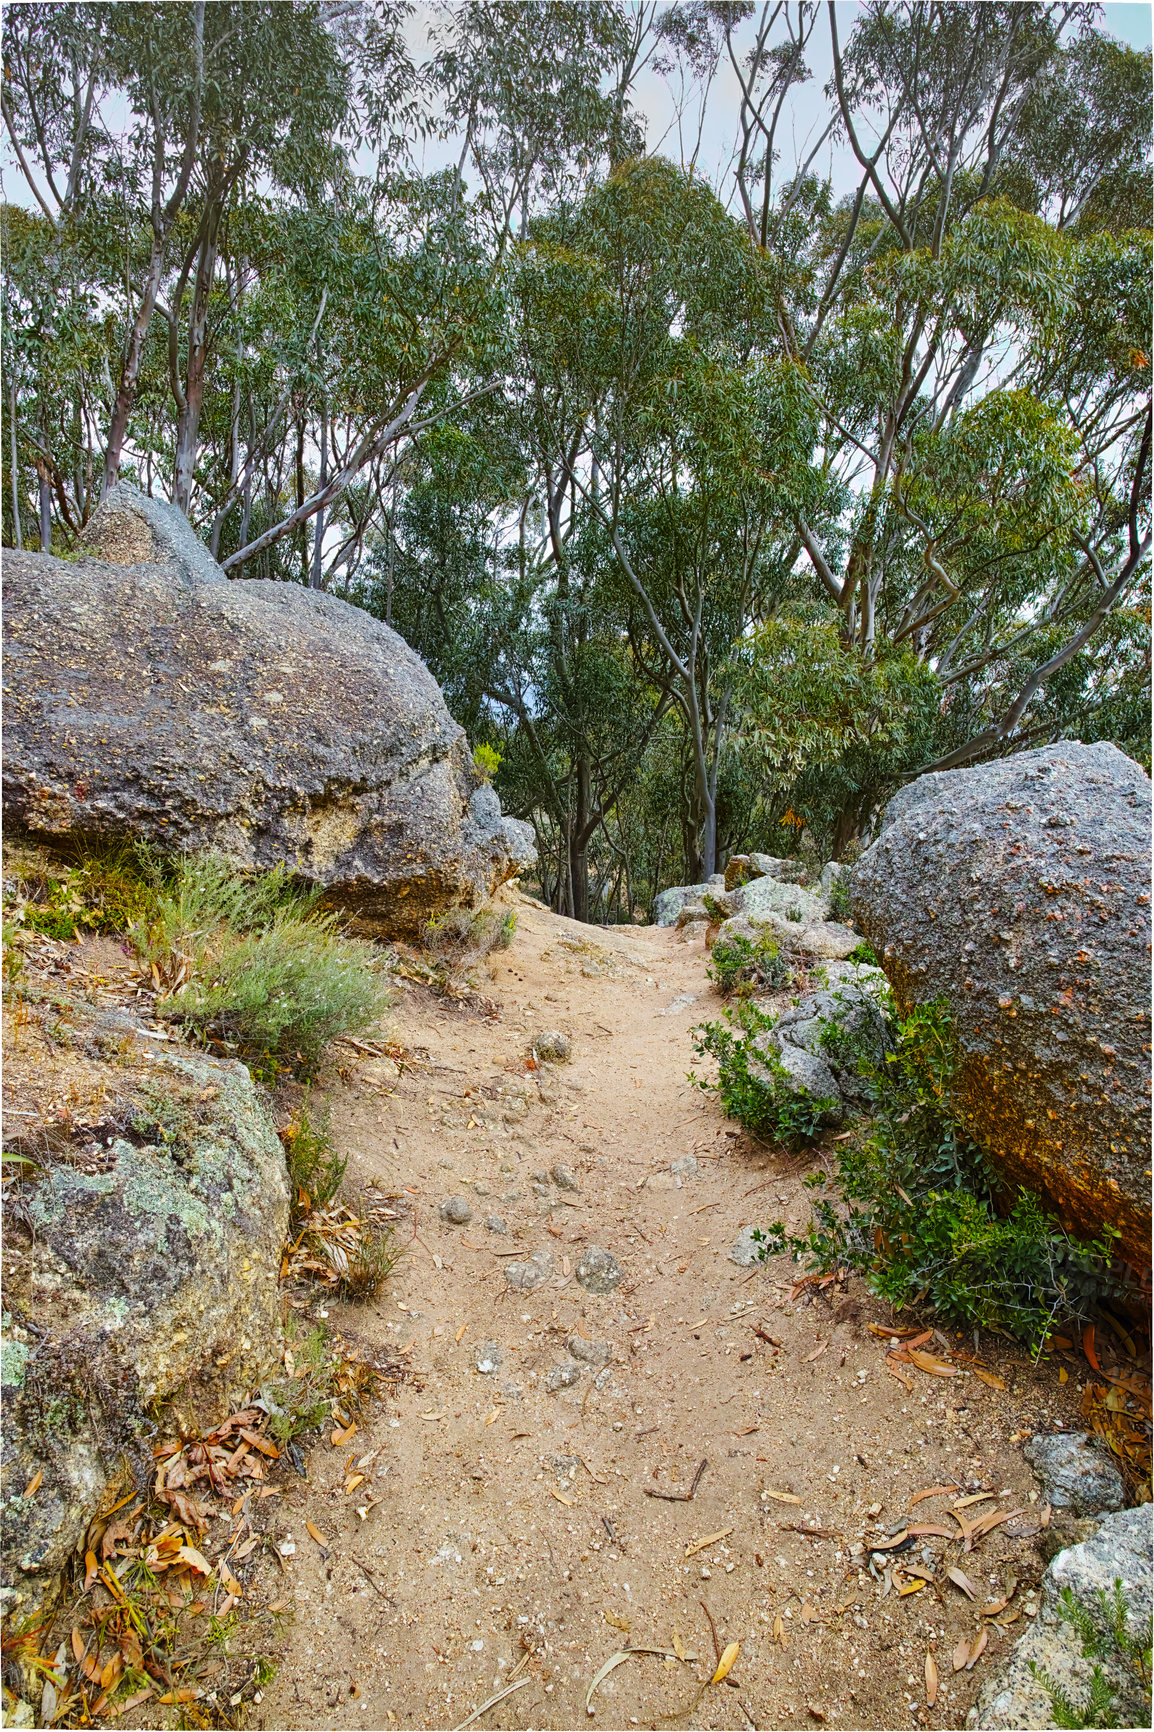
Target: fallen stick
pixel 492 1702
pixel 677 1496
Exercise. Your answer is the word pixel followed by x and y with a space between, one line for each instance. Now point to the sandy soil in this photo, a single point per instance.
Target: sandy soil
pixel 511 1537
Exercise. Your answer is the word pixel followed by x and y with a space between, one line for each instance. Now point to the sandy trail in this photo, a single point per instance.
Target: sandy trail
pixel 512 1538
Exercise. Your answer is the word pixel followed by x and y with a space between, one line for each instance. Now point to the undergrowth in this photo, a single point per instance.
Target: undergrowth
pixel 743 967
pixel 1112 1642
pixel 915 1208
pixel 248 962
pixel 462 937
pixel 753 1084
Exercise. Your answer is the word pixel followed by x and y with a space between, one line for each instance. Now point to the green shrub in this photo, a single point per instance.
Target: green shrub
pixel 314 1166
pixel 864 953
pixel 839 901
pixel 92 886
pixel 486 761
pixel 1100 1706
pixel 740 966
pixel 251 962
pixel 753 1085
pixel 916 1213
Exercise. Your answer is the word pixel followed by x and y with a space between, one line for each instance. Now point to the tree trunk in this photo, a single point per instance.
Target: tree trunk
pixel 130 370
pixel 188 423
pixel 45 507
pixel 319 529
pixel 17 530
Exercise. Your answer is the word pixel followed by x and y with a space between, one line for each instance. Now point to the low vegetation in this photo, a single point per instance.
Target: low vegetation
pixel 251 964
pixel 743 967
pixel 1106 1639
pixel 335 1243
pixel 461 938
pixel 912 1204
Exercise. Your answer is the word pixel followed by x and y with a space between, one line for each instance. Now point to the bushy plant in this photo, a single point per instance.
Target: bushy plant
pixel 486 761
pixel 315 1168
pixel 839 901
pixel 916 1212
pixel 741 966
pixel 252 962
pixel 1112 1642
pixel 753 1084
pixel 91 886
pixel 461 937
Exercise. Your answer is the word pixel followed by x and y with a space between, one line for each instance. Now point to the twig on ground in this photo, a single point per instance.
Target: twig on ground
pixel 677 1496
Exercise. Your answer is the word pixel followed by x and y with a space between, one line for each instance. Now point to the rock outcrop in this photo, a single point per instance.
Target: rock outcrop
pixel 1019 892
pixel 146 1275
pixel 147 696
pixel 1015 1693
pixel 764 895
pixel 820 1040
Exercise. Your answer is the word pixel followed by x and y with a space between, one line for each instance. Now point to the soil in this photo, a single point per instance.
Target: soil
pixel 502 1531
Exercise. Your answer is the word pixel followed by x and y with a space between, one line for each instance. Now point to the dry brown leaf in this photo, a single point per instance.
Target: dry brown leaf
pixel 91 1569
pixel 726 1663
pixel 922 1530
pixel 34 1483
pixel 961 1580
pixel 933 1491
pixel 974 1497
pixel 679 1647
pixel 986 1524
pixel 317 1535
pixel 494 1415
pixel 816 1354
pixel 978 1649
pixel 561 1498
pixel 182 1695
pixel 439 1415
pixel 112 1673
pixel 900 1375
pixel 931 1680
pixel 462 1329
pixel 779 1631
pixel 343 1436
pixel 709 1540
pixel 194 1559
pixel 935 1367
pixel 990 1378
pixel 617 1621
pixel 232 1586
pixel 993 1608
pixel 913 1587
pixel 961 1655
pixel 782 1496
pixel 352 1483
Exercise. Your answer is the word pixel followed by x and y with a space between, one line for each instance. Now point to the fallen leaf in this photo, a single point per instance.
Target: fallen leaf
pixel 782 1496
pixel 779 1631
pixel 816 1354
pixel 318 1536
pixel 922 1530
pixel 961 1655
pixel 961 1580
pixel 617 1621
pixel 352 1484
pixel 343 1436
pixel 91 1569
pixel 494 1415
pixel 994 1607
pixel 974 1497
pixel 726 1663
pixel 561 1498
pixel 931 1680
pixel 182 1695
pixel 934 1491
pixel 1063 1374
pixel 900 1375
pixel 911 1587
pixel 232 1586
pixel 194 1559
pixel 990 1378
pixel 1088 1346
pixel 678 1646
pixel 1062 1342
pixel 462 1329
pixel 34 1483
pixel 985 1524
pixel 709 1540
pixel 978 1649
pixel 935 1367
pixel 112 1673
pixel 262 1443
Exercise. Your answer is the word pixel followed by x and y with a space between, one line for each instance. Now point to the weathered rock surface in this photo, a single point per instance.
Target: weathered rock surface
pixel 158 700
pixel 152 1280
pixel 532 1273
pixel 1076 1475
pixel 1012 1695
pixel 742 867
pixel 667 904
pixel 1019 893
pixel 797 915
pixel 598 1270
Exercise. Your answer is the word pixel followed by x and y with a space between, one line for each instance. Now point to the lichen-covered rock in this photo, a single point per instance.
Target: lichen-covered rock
pixel 150 1282
pixel 1014 1696
pixel 1076 1475
pixel 1019 892
pixel 598 1270
pixel 742 867
pixel 269 722
pixel 667 904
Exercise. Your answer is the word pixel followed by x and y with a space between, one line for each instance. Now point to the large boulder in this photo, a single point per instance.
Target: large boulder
pixel 1019 893
pixel 1053 1652
pixel 274 724
pixel 139 1274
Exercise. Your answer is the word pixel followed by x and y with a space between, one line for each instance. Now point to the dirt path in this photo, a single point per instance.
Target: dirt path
pixel 512 1538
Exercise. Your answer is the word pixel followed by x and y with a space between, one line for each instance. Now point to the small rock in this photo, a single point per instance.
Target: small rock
pixel 744 1250
pixel 540 1177
pixel 1076 1475
pixel 553 1046
pixel 562 1377
pixel 457 1211
pixel 566 1180
pixel 684 1167
pixel 482 1190
pixel 540 1190
pixel 495 1224
pixel 533 1272
pixel 591 1352
pixel 599 1271
pixel 490 1358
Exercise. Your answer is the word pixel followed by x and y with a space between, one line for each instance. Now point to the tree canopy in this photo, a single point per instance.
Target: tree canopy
pixel 719 503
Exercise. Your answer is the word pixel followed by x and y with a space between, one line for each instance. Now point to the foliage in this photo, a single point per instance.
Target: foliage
pixel 461 937
pixel 93 886
pixel 315 1169
pixel 1106 1638
pixel 250 962
pixel 742 966
pixel 916 1210
pixel 486 760
pixel 752 1083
